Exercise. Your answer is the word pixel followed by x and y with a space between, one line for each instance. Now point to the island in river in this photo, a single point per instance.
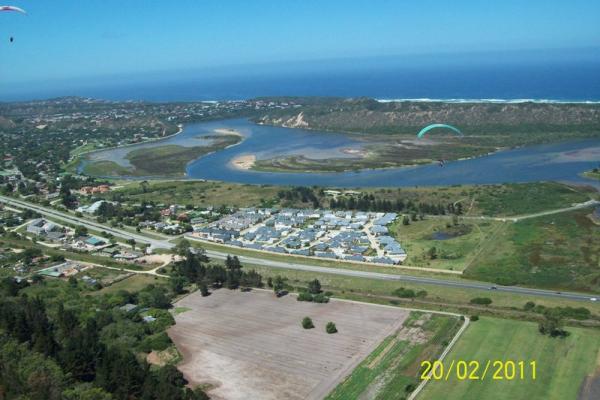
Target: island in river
pixel 162 159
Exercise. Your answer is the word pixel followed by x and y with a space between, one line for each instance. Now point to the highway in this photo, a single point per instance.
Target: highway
pixel 158 243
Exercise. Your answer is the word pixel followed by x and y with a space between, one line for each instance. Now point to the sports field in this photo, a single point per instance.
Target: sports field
pixel 562 364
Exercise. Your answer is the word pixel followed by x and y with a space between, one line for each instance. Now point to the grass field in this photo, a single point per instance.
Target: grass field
pixel 393 367
pixel 518 199
pixel 562 364
pixel 455 252
pixel 491 200
pixel 554 251
pixel 132 284
pixel 438 297
pixel 201 194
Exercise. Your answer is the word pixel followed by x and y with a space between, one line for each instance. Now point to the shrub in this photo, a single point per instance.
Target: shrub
pixel 330 328
pixel 307 323
pixel 486 301
pixel 474 318
pixel 320 298
pixel 405 293
pixel 304 296
pixel 530 305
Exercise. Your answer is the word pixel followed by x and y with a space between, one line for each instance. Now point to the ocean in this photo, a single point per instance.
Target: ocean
pixel 550 80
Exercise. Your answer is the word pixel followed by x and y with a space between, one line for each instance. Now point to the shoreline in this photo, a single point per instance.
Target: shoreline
pixel 179 130
pixel 243 163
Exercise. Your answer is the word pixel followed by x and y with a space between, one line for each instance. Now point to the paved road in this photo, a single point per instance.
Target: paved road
pixel 157 243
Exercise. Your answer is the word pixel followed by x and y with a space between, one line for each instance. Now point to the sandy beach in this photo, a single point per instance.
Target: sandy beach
pixel 227 131
pixel 244 162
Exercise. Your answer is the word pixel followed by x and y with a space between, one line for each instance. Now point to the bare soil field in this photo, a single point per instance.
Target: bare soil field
pixel 252 345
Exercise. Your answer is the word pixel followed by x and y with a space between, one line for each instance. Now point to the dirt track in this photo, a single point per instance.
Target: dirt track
pixel 252 346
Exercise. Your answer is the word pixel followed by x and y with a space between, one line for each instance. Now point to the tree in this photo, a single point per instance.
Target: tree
pixel 552 324
pixel 85 392
pixel 278 284
pixel 405 293
pixel 72 281
pixel 182 248
pixel 131 242
pixel 405 220
pixel 81 230
pixel 177 283
pixel 314 286
pixel 432 253
pixel 307 323
pixel 234 272
pixel 204 289
pixel 330 328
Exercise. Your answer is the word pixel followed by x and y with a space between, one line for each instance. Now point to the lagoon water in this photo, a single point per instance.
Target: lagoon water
pixel 563 161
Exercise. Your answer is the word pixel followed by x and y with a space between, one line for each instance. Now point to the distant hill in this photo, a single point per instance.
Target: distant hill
pixel 365 115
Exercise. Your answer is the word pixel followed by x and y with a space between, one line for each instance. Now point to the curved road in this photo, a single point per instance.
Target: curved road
pixel 158 243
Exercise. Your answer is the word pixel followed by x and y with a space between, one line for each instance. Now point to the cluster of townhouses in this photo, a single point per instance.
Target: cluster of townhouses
pixel 342 235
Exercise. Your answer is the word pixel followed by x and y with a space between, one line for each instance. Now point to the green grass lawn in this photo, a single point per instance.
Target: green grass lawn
pixel 562 364
pixel 455 253
pixel 394 365
pixel 554 251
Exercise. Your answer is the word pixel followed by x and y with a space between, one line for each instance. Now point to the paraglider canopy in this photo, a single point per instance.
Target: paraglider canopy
pixel 12 8
pixel 433 126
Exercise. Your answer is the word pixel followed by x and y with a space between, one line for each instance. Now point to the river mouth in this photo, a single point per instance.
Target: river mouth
pixel 562 161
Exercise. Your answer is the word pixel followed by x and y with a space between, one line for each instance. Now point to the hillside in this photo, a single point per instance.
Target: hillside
pixel 371 116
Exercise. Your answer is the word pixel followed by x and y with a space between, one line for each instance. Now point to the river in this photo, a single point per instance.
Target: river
pixel 563 161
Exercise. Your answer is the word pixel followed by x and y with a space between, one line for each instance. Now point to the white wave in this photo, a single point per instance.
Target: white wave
pixel 507 101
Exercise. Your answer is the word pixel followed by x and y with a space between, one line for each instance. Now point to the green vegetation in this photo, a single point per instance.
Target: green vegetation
pixel 197 193
pixel 553 251
pixel 166 160
pixel 307 323
pixel 594 174
pixel 57 342
pixel 172 159
pixel 391 371
pixel 330 328
pixel 388 129
pixel 456 246
pixel 134 283
pixel 440 298
pixel 518 199
pixel 105 168
pixel 562 364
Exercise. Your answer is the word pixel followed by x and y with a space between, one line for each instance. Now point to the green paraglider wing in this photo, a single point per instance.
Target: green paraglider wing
pixel 433 126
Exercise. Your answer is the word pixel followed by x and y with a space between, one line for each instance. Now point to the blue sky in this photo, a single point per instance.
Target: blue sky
pixel 66 39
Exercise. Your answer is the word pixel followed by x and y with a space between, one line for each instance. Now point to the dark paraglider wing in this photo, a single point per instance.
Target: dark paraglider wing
pixel 12 8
